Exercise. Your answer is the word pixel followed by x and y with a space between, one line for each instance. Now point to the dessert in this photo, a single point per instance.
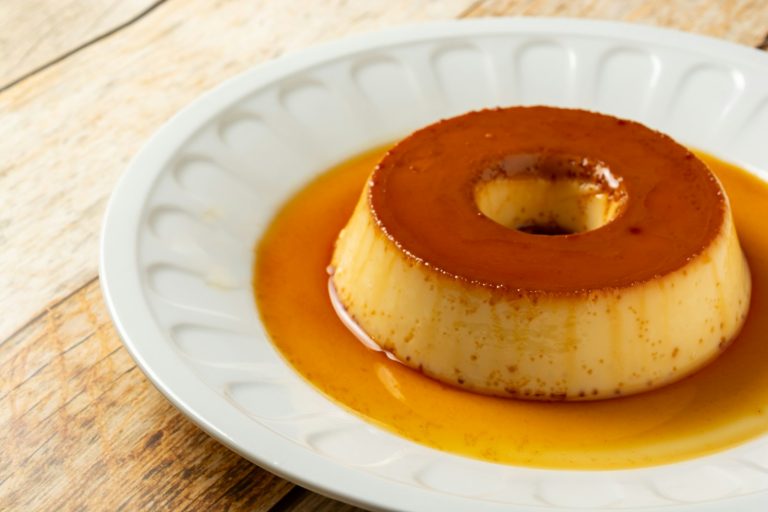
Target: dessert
pixel 722 405
pixel 543 253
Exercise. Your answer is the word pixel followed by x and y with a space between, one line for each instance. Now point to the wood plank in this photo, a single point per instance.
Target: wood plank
pixel 38 32
pixel 740 21
pixel 299 499
pixel 81 120
pixel 82 428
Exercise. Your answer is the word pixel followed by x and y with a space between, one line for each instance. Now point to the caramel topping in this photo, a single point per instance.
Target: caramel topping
pixel 422 195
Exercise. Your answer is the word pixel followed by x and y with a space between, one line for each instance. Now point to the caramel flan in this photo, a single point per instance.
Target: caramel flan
pixel 543 253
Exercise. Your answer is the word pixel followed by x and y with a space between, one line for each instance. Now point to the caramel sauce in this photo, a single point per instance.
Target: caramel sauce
pixel 421 196
pixel 720 406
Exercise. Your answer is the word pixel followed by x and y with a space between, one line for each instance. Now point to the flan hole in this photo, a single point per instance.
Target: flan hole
pixel 550 194
pixel 544 229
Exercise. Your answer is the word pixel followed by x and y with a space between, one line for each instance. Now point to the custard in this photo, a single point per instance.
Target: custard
pixel 632 278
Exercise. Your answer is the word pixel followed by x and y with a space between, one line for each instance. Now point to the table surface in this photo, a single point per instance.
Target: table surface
pixel 83 84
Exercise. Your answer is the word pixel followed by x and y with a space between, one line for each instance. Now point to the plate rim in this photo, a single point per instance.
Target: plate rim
pixel 130 318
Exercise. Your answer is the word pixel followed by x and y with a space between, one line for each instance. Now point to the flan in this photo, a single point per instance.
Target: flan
pixel 543 253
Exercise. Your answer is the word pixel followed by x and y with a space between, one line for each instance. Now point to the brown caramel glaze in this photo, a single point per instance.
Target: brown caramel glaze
pixel 421 194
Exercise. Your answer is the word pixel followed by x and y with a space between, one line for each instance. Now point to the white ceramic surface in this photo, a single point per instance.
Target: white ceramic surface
pixel 179 231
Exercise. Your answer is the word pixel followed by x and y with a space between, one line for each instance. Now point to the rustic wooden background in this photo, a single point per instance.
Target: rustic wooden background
pixel 82 85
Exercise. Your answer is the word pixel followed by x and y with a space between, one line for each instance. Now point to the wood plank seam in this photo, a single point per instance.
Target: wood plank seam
pixel 82 46
pixel 763 44
pixel 290 499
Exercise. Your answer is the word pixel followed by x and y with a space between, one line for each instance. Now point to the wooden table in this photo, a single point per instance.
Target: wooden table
pixel 82 85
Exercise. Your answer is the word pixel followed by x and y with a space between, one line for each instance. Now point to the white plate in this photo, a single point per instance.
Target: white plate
pixel 181 225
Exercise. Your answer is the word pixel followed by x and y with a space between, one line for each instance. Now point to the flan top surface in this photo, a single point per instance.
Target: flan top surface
pixel 422 196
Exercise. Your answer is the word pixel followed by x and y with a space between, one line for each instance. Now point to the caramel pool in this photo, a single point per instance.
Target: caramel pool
pixel 720 406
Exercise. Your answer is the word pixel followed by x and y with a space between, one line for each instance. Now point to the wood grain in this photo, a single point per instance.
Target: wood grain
pixel 38 32
pixel 299 500
pixel 741 21
pixel 80 426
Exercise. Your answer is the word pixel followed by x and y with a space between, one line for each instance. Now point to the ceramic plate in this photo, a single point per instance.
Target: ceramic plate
pixel 181 225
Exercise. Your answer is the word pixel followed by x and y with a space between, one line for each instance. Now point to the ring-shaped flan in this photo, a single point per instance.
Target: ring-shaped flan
pixel 623 273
